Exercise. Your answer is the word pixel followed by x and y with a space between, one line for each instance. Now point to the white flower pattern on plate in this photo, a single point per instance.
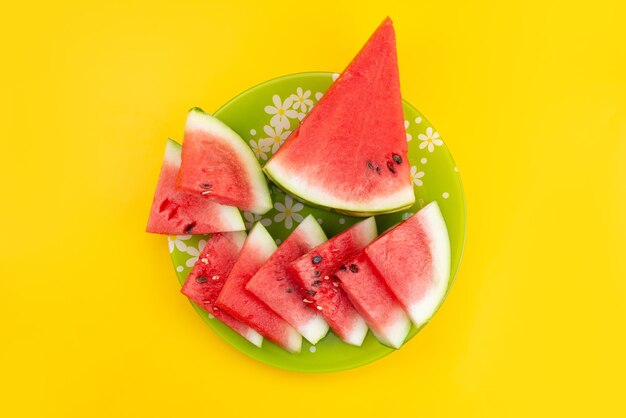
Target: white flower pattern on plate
pixel 275 138
pixel 416 176
pixel 318 95
pixel 301 100
pixel 288 212
pixel 176 241
pixel 195 253
pixel 430 140
pixel 281 112
pixel 408 135
pixel 260 148
pixel 251 218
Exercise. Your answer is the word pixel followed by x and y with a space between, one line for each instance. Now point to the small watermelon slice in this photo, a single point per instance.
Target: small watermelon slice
pixel 209 274
pixel 219 166
pixel 420 245
pixel 176 213
pixel 243 305
pixel 374 301
pixel 314 273
pixel 274 285
pixel 350 152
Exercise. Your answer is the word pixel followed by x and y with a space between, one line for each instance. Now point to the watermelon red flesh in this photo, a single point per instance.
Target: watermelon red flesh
pixel 209 274
pixel 219 166
pixel 176 213
pixel 274 285
pixel 320 288
pixel 374 301
pixel 243 305
pixel 350 151
pixel 414 260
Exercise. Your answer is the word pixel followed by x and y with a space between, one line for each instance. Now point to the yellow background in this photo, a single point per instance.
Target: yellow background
pixel 530 98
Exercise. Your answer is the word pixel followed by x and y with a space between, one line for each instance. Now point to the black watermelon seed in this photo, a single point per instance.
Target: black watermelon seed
pixel 354 268
pixel 190 227
pixel 205 186
pixel 311 292
pixel 391 167
pixel 201 279
pixel 342 268
pixel 370 165
pixel 317 259
pixel 289 290
pixel 378 170
pixel 397 158
pixel 316 283
pixel 316 273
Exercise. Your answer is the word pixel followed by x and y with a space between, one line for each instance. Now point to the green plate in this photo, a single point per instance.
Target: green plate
pixel 255 115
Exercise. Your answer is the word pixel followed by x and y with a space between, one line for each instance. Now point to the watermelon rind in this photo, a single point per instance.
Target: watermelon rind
pixel 437 231
pixel 322 198
pixel 358 332
pixel 254 337
pixel 396 334
pixel 312 231
pixel 199 120
pixel 260 239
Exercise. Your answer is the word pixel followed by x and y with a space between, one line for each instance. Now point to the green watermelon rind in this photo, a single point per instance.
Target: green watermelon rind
pixel 272 171
pixel 200 120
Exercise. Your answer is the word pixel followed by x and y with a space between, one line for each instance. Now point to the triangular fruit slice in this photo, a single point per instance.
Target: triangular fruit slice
pixel 320 287
pixel 372 299
pixel 350 152
pixel 209 274
pixel 219 166
pixel 414 260
pixel 274 285
pixel 243 305
pixel 177 213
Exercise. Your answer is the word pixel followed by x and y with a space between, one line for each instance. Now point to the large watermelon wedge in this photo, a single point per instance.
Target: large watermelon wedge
pixel 414 260
pixel 209 274
pixel 314 272
pixel 243 305
pixel 177 213
pixel 274 285
pixel 350 152
pixel 218 165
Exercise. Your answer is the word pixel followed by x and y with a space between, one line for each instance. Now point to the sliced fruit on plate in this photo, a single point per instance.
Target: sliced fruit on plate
pixel 177 213
pixel 374 301
pixel 320 287
pixel 243 305
pixel 218 165
pixel 350 152
pixel 414 260
pixel 209 274
pixel 274 285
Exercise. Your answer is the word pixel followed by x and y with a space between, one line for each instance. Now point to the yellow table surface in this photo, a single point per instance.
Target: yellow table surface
pixel 530 97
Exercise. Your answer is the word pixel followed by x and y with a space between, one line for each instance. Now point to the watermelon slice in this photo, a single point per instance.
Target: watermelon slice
pixel 314 273
pixel 350 152
pixel 274 285
pixel 243 305
pixel 420 245
pixel 218 165
pixel 209 274
pixel 176 213
pixel 373 301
